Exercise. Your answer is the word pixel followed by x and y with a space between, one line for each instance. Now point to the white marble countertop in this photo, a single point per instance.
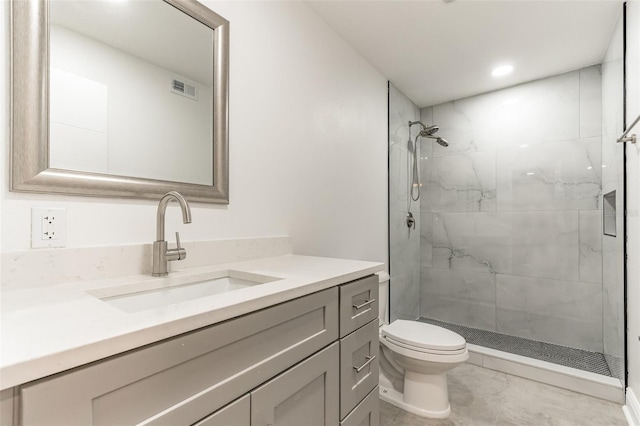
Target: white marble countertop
pixel 51 329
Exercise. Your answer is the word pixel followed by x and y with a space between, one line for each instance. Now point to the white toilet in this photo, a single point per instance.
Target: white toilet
pixel 414 360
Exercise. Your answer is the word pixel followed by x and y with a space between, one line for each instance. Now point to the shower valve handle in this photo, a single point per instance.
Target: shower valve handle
pixel 411 221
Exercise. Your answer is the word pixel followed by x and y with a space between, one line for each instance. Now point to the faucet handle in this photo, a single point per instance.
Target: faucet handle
pixel 178 253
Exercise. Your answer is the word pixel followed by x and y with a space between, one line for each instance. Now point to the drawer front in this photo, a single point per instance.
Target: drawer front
pixel 358 304
pixel 238 413
pixel 184 379
pixel 367 413
pixel 359 366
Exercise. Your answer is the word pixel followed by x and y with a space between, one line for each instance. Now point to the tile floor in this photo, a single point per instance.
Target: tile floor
pixel 480 396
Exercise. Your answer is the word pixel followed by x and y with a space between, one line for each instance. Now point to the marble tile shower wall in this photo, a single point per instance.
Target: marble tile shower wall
pixel 510 212
pixel 404 254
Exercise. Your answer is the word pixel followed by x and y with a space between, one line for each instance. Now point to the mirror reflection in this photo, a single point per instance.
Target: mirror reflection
pixel 131 91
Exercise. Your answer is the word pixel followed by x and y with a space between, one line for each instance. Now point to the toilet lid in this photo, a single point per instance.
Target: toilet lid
pixel 422 335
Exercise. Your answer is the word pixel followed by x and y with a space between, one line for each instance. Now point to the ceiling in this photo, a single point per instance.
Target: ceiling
pixel 436 52
pixel 152 31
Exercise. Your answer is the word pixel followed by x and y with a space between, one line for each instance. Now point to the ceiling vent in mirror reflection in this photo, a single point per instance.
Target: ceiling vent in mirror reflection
pixel 180 87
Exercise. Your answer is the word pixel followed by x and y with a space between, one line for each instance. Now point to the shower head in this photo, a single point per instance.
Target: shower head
pixel 428 131
pixel 442 142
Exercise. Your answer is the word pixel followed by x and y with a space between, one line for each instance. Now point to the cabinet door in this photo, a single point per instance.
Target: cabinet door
pixel 238 413
pixel 307 394
pixel 6 407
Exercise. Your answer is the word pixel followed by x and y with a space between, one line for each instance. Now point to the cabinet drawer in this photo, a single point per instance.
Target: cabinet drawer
pixel 367 413
pixel 358 366
pixel 358 304
pixel 184 379
pixel 238 413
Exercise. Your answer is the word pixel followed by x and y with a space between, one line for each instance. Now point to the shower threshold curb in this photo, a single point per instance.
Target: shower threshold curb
pixel 599 386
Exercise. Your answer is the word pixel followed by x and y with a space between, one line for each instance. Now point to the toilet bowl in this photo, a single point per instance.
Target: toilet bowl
pixel 414 361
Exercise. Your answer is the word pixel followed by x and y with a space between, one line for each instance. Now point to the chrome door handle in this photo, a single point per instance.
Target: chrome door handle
pixel 367 362
pixel 366 303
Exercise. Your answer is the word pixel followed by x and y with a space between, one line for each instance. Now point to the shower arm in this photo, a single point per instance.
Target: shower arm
pixel 632 138
pixel 413 123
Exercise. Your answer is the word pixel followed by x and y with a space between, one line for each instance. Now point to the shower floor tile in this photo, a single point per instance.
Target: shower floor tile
pixel 569 357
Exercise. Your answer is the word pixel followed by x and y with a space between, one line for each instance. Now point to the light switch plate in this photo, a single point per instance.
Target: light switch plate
pixel 48 227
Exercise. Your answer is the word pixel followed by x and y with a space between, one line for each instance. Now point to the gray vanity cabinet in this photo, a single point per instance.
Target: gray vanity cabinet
pixel 283 365
pixel 184 379
pixel 6 407
pixel 358 304
pixel 359 367
pixel 366 413
pixel 304 395
pixel 359 363
pixel 237 413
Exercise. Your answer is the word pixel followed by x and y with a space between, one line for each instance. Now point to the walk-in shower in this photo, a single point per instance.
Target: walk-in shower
pixel 499 235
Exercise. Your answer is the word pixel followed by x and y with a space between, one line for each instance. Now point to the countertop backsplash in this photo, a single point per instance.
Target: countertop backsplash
pixel 37 268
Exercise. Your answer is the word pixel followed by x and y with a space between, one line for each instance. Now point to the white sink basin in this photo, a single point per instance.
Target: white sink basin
pixel 158 292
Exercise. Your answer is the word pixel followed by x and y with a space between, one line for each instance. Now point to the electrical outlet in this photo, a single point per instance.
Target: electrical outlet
pixel 48 227
pixel 49 224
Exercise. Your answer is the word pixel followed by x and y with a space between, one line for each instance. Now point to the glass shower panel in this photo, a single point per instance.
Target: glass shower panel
pixel 404 241
pixel 613 205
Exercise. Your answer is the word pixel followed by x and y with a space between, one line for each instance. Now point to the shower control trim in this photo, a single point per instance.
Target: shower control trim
pixel 411 221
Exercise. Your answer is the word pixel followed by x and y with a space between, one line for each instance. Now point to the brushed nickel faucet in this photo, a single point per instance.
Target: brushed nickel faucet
pixel 161 253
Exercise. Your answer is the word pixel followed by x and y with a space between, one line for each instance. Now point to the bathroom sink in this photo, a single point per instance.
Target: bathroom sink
pixel 158 292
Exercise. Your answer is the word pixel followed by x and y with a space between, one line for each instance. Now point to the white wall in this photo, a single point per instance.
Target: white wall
pixel 308 154
pixel 633 199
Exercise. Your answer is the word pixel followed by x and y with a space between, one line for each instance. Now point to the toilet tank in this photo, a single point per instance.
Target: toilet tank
pixel 383 298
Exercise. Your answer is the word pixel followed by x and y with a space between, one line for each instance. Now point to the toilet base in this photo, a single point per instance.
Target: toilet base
pixel 396 398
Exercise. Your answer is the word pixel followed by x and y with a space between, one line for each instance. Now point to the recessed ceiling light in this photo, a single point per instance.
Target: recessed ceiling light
pixel 502 70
